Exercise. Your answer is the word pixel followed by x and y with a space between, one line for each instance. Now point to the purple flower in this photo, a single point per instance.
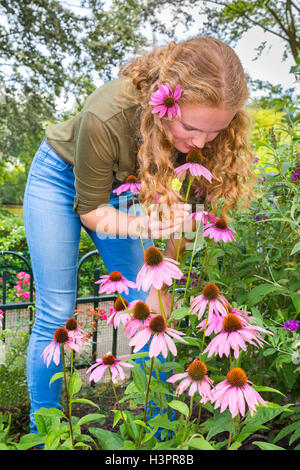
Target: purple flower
pixel 291 325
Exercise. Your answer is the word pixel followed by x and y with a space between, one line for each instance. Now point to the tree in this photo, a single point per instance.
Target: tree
pixel 50 49
pixel 229 20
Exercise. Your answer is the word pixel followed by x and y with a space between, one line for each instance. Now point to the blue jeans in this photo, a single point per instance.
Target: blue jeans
pixel 53 235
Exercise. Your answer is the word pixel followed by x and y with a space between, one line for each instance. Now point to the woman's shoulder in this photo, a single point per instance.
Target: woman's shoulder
pixel 111 99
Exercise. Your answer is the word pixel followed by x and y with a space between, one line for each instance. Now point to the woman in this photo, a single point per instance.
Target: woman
pixel 124 129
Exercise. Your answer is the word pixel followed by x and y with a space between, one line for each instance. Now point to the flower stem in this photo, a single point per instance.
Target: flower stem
pixel 67 394
pixel 133 204
pixel 129 429
pixel 191 264
pixel 202 268
pixel 146 400
pixel 187 421
pixel 162 310
pixel 122 300
pixel 230 434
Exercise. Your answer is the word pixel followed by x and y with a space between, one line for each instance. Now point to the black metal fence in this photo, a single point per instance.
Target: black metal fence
pixel 12 263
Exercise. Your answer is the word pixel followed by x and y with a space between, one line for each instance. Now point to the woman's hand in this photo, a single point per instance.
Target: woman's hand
pixel 165 222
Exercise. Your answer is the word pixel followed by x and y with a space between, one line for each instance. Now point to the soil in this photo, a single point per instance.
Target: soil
pixel 105 399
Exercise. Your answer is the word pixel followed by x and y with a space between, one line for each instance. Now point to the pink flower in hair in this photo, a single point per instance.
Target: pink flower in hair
pixel 164 100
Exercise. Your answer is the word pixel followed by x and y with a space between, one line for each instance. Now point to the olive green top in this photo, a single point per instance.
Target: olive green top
pixel 101 142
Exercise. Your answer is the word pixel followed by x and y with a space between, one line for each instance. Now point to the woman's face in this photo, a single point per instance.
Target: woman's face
pixel 198 125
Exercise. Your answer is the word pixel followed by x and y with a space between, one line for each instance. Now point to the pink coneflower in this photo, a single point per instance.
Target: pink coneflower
pixel 120 306
pixel 157 270
pixel 75 332
pixel 219 230
pixel 108 361
pixel 141 316
pixel 52 351
pixel 193 166
pixel 210 295
pixel 1 314
pixel 196 378
pixel 235 333
pixel 161 340
pixel 114 282
pixel 234 391
pixel 164 100
pixel 215 321
pixel 130 185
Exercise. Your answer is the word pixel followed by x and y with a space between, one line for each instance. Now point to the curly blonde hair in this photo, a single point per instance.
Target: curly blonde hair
pixel 210 74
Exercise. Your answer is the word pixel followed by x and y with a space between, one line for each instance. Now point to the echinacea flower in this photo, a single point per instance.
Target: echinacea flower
pixel 52 351
pixel 161 340
pixel 75 332
pixel 236 332
pixel 1 314
pixel 120 305
pixel 164 100
pixel 114 282
pixel 141 316
pixel 210 296
pixel 193 166
pixel 196 379
pixel 234 391
pixel 130 185
pixel 215 321
pixel 219 230
pixel 157 270
pixel 108 361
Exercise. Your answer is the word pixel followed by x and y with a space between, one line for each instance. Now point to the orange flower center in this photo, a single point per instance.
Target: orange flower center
pixel 153 256
pixel 169 101
pixel 141 311
pixel 119 304
pixel 237 377
pixel 194 156
pixel 231 323
pixel 131 179
pixel 61 335
pixel 71 324
pixel 108 359
pixel 115 276
pixel 158 324
pixel 197 370
pixel 221 224
pixel 211 291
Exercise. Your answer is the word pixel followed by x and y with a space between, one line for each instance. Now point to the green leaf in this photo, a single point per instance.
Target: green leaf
pixel 296 301
pixel 296 248
pixel 58 375
pixel 257 294
pixel 180 406
pixel 260 388
pixel 75 383
pixel 86 401
pixel 108 440
pixel 139 379
pixel 267 446
pixel 91 417
pixel 30 440
pixel 180 313
pixel 200 443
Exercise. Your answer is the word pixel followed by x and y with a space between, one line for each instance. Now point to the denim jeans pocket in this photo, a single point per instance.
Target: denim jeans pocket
pixel 48 157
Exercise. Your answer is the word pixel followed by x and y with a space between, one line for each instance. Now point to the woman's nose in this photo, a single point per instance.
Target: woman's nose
pixel 200 140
